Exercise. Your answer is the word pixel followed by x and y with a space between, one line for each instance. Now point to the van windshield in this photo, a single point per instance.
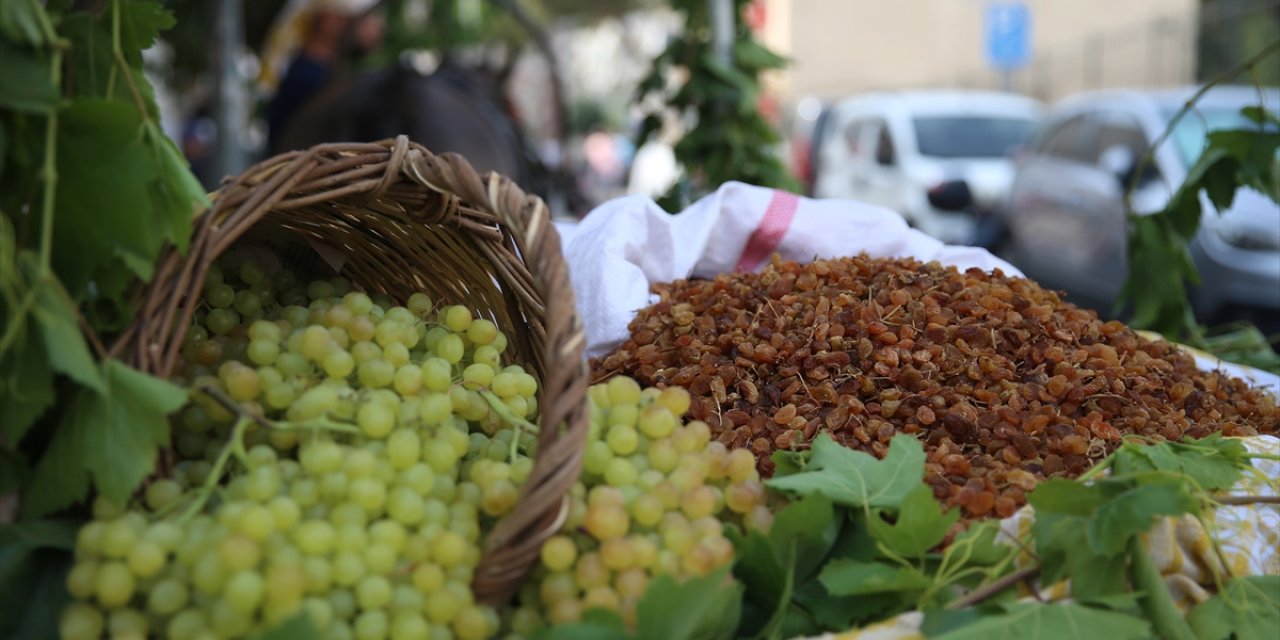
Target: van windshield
pixel 970 136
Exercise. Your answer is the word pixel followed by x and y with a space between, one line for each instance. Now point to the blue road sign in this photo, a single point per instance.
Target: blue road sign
pixel 1008 34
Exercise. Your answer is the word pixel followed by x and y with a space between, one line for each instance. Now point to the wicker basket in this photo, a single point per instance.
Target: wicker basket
pixel 394 219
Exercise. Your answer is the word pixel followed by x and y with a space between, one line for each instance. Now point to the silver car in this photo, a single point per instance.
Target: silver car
pixel 1066 221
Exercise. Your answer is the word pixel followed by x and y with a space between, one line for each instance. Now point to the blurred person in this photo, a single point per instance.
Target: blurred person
pixel 311 42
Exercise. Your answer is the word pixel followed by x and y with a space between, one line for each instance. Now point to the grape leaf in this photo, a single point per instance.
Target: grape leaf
pixel 596 624
pixel 140 25
pixel 1213 462
pixel 13 471
pixel 63 341
pixel 978 544
pixel 1063 546
pixel 768 581
pixel 1066 497
pixel 298 626
pixel 1034 621
pixel 179 194
pixel 32 589
pixel 830 612
pixel 26 390
pixel 857 479
pixel 113 437
pixel 852 578
pixel 20 22
pixel 705 608
pixel 919 527
pixel 1134 511
pixel 1248 608
pixel 808 526
pixel 25 84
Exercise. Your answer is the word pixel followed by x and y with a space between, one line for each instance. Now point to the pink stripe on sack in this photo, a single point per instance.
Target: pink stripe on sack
pixel 768 235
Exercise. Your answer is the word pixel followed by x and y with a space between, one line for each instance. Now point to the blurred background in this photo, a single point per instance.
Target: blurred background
pixel 1016 125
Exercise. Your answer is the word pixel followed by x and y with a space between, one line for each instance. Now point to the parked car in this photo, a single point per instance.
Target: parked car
pixel 1065 214
pixel 890 148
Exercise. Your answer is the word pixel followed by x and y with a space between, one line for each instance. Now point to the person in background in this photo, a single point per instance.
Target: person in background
pixel 316 37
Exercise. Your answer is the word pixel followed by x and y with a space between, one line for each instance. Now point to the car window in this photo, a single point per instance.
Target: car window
pixel 884 147
pixel 1071 139
pixel 1120 130
pixel 970 136
pixel 853 134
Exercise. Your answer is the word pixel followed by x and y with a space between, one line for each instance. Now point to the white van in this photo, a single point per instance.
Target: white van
pixel 890 148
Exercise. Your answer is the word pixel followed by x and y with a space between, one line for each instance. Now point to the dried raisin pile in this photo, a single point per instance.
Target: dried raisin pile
pixel 1004 382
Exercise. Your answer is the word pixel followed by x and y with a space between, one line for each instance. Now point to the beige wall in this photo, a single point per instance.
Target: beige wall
pixel 841 46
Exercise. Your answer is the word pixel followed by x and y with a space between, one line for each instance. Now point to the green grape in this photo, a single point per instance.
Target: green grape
pixel 348 568
pixel 320 289
pixel 167 596
pixel 358 302
pixel 113 585
pixel 146 559
pixel 408 624
pixel 371 625
pixel 448 549
pixel 118 539
pixel 559 553
pixel 487 355
pixel 471 624
pixel 292 364
pixel 82 579
pixel 244 591
pixel 408 380
pixel 623 440
pixel 220 296
pixel 404 448
pixel 376 373
pixel 450 349
pixel 373 592
pixel 315 537
pixel 456 318
pixel 478 375
pixel 263 352
pixel 247 303
pixel 80 622
pixel 222 321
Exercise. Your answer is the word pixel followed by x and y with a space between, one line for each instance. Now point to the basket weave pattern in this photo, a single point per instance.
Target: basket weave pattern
pixel 394 219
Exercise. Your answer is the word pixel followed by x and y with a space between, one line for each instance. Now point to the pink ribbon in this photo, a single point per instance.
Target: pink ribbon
pixel 768 234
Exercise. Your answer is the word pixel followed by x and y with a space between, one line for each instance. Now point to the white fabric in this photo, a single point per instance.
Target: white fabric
pixel 624 245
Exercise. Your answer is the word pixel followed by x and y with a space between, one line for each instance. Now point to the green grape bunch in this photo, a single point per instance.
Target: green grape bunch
pixel 342 460
pixel 653 499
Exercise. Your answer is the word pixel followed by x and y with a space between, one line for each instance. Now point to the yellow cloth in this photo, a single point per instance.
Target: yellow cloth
pixel 1247 536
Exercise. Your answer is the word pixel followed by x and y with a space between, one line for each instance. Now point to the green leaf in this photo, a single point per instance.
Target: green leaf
pixel 768 581
pixel 754 57
pixel 705 608
pixel 1067 497
pixel 298 626
pixel 831 612
pixel 939 621
pixel 25 84
pixel 852 578
pixel 113 437
pixel 857 479
pixel 1214 463
pixel 26 388
pixel 809 526
pixel 920 524
pixel 101 213
pixel 1116 601
pixel 38 534
pixel 140 25
pixel 1248 608
pixel 13 471
pixel 32 588
pixel 63 341
pixel 978 544
pixel 179 194
pixel 1063 546
pixel 20 21
pixel 1135 511
pixel 1032 621
pixel 596 623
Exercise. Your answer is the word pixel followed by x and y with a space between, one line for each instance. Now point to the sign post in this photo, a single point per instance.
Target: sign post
pixel 1007 36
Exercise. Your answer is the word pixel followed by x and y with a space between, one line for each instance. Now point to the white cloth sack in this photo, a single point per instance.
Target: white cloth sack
pixel 624 245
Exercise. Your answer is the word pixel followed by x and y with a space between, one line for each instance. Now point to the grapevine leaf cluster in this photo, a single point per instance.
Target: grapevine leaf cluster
pixel 91 191
pixel 1160 264
pixel 726 138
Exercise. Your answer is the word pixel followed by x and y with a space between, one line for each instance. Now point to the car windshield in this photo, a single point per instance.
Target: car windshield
pixel 1189 135
pixel 970 136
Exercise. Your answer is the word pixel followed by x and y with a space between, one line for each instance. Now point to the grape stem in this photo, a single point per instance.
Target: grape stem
pixel 219 466
pixel 504 412
pixel 995 587
pixel 319 424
